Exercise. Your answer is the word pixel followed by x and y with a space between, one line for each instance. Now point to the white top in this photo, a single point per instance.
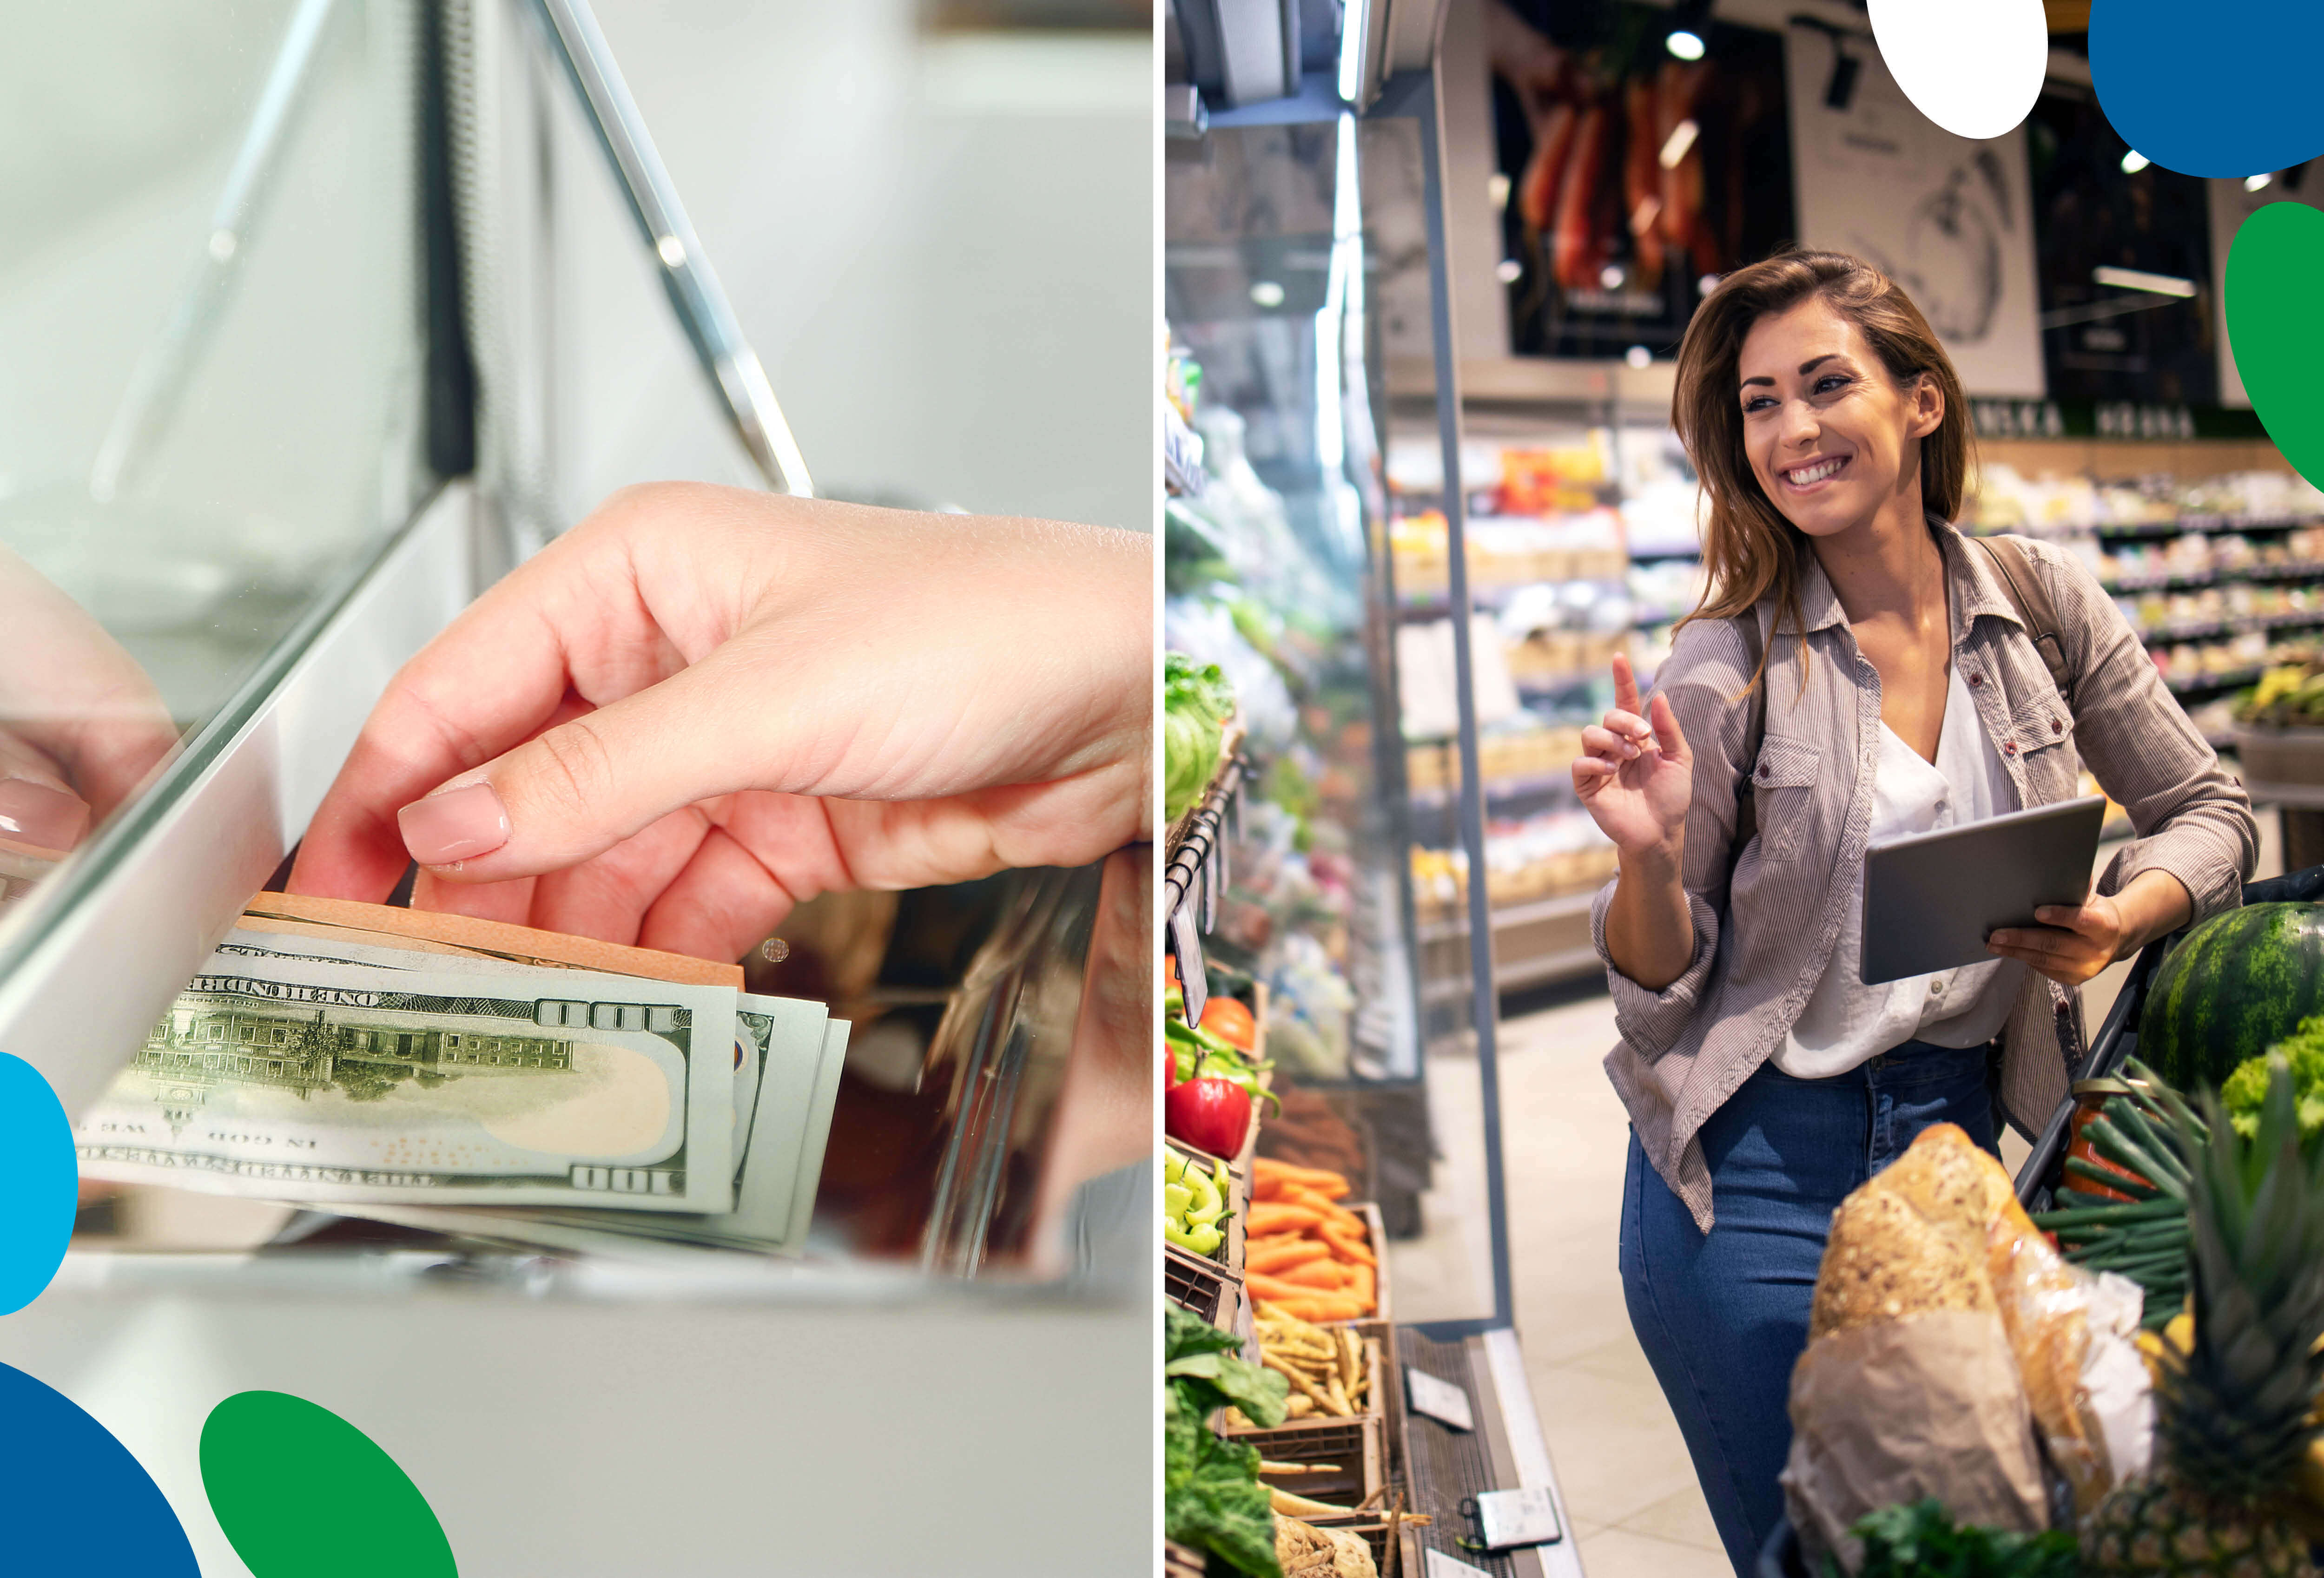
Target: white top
pixel 1847 1023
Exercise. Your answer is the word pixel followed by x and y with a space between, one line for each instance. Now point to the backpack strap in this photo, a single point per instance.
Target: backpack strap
pixel 2034 609
pixel 1755 729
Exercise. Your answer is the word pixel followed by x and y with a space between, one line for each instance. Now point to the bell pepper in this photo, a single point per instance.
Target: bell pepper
pixel 1236 1072
pixel 1208 1113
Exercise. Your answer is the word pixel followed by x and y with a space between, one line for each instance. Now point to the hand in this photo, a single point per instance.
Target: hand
pixel 1635 777
pixel 702 706
pixel 80 725
pixel 2072 945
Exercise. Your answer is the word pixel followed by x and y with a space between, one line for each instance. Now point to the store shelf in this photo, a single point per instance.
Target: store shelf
pixel 1445 1467
pixel 2213 685
pixel 1558 907
pixel 2246 574
pixel 2203 524
pixel 1182 454
pixel 1497 790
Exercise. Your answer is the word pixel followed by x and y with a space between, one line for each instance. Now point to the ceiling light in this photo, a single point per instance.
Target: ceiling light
pixel 1675 145
pixel 1266 293
pixel 2134 161
pixel 1497 188
pixel 2257 183
pixel 1685 45
pixel 1638 356
pixel 1611 276
pixel 1707 284
pixel 2139 279
pixel 1507 269
pixel 1352 23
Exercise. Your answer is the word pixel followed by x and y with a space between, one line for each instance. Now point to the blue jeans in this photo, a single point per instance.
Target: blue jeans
pixel 1723 1316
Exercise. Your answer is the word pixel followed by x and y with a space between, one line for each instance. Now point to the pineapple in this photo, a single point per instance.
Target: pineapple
pixel 2232 1411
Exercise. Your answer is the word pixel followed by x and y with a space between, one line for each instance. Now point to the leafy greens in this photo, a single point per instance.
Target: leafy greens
pixel 1212 1498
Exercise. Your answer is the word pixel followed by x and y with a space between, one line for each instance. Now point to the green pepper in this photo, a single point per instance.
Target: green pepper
pixel 1209 1202
pixel 1174 1167
pixel 1175 1198
pixel 1196 1240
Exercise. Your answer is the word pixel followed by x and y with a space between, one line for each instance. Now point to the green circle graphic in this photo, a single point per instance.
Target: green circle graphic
pixel 2275 326
pixel 301 1493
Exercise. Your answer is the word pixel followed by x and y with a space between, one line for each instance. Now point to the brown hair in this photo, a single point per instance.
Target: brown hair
pixel 1748 548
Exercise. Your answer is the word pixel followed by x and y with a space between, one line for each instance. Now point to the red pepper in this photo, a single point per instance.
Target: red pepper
pixel 1169 1068
pixel 1209 1115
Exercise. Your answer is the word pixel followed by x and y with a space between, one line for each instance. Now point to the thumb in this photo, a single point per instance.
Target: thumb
pixel 1666 730
pixel 577 789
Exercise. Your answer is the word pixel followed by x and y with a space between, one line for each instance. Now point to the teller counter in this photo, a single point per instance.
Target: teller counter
pixel 289 335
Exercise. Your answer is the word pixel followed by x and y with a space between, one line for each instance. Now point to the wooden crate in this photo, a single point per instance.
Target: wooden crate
pixel 1200 1286
pixel 1182 1561
pixel 1398 1557
pixel 1357 1446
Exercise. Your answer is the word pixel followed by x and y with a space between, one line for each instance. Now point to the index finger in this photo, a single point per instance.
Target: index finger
pixel 569 621
pixel 1625 684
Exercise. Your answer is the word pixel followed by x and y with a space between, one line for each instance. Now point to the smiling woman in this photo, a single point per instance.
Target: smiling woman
pixel 1857 670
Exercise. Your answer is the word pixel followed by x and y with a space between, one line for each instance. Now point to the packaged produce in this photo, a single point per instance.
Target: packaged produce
pixel 1950 1349
pixel 1193 1204
pixel 2235 986
pixel 2236 1425
pixel 2122 1207
pixel 1212 1497
pixel 1922 1541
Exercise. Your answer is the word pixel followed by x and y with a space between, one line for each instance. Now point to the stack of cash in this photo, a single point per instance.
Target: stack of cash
pixel 481 1078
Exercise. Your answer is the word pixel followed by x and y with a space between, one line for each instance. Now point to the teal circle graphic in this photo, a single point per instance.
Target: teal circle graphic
pixel 37 1208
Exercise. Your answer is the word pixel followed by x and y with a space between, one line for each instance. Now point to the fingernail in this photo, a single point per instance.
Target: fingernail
pixel 459 824
pixel 35 814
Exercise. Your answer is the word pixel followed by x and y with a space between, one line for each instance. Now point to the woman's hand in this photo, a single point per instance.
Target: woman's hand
pixel 2072 944
pixel 702 706
pixel 1637 775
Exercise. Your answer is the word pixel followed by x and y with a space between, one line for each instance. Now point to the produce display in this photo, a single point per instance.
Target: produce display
pixel 1212 1497
pixel 2288 697
pixel 1212 1086
pixel 1193 1204
pixel 1197 703
pixel 2234 986
pixel 1325 1365
pixel 2235 1411
pixel 1303 1253
pixel 1308 1132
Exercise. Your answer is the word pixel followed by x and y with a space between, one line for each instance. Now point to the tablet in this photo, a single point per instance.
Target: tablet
pixel 1930 899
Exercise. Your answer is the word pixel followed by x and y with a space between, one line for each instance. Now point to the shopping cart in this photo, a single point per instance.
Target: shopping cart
pixel 2044 1168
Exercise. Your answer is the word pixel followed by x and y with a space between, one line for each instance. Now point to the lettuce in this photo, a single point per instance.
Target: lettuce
pixel 1212 1497
pixel 2244 1091
pixel 1197 703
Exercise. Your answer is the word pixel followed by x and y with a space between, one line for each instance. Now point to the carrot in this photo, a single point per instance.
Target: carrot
pixel 1268 1216
pixel 1329 1184
pixel 1322 1276
pixel 1365 1286
pixel 1316 1308
pixel 1279 1260
pixel 1346 1245
pixel 1263 1286
pixel 1326 1211
pixel 1255 1242
pixel 1264 1187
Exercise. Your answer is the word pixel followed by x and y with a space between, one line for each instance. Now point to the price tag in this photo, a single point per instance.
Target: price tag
pixel 1440 1566
pixel 1519 1517
pixel 1439 1400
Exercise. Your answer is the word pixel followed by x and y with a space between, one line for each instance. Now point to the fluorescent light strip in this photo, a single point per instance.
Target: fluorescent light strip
pixel 2139 279
pixel 1351 50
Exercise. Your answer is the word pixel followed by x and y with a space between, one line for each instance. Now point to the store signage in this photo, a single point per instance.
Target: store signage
pixel 1949 219
pixel 2018 419
pixel 2125 420
pixel 1519 1517
pixel 1440 1566
pixel 1439 1400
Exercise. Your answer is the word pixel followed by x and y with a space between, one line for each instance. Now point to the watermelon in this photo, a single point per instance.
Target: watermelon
pixel 2231 989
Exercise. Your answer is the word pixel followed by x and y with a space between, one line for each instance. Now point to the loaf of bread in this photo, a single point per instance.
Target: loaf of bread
pixel 1913 1238
pixel 1940 1228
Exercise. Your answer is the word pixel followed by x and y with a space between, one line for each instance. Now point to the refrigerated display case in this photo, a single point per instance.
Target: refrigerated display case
pixel 1368 678
pixel 322 314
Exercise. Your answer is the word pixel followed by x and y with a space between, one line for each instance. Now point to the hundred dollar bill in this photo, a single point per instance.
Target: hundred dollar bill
pixel 775 1201
pixel 317 1079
